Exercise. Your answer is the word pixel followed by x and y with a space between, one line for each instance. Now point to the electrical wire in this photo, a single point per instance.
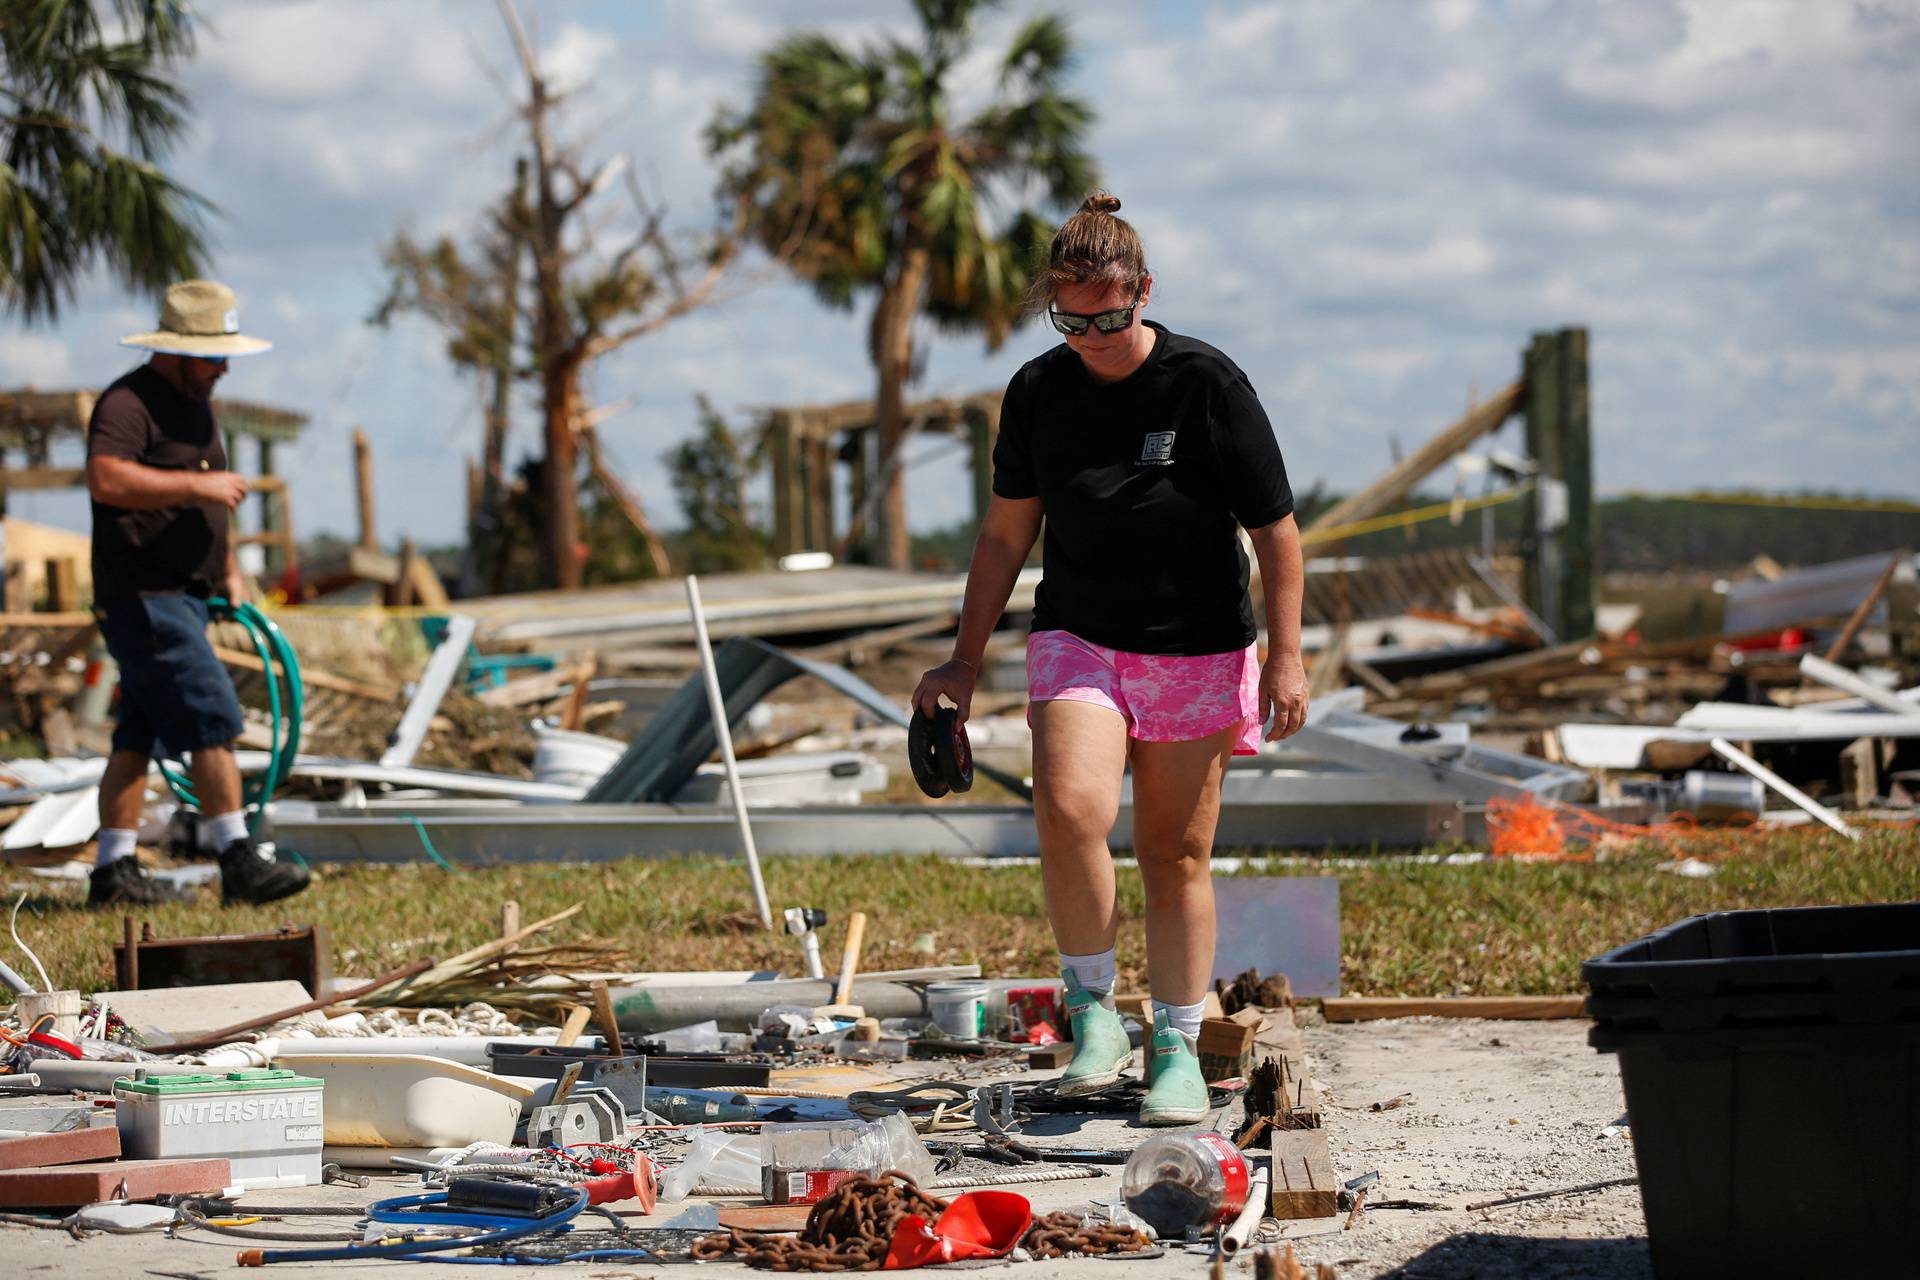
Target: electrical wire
pixel 46 983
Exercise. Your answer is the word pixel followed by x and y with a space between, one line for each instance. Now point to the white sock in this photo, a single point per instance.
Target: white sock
pixel 218 832
pixel 1094 973
pixel 115 843
pixel 1184 1018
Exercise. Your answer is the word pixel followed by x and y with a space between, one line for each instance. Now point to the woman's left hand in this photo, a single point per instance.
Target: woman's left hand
pixel 1283 695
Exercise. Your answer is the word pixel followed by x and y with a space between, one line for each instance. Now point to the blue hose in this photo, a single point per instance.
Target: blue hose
pixel 286 705
pixel 495 1230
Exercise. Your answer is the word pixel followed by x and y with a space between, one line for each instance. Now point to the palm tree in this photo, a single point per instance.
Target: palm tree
pixel 84 118
pixel 859 176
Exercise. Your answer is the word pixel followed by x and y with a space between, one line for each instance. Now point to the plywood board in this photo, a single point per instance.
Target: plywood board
pixel 1279 924
pixel 168 1015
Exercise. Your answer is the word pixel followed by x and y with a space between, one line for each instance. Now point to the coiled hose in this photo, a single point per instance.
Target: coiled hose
pixel 423 1210
pixel 286 703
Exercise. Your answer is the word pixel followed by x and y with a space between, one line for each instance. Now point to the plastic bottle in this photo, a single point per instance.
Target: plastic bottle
pixel 1178 1181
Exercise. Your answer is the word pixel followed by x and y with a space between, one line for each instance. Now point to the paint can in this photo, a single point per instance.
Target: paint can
pixel 958 1008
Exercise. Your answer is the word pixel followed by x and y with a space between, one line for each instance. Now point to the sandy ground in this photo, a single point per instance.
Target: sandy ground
pixel 1492 1108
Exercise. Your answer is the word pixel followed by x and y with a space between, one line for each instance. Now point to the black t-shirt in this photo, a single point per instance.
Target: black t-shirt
pixel 143 417
pixel 1143 482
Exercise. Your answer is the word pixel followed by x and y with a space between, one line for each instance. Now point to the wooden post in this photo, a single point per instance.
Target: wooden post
pixel 984 426
pixel 1560 516
pixel 63 585
pixel 273 516
pixel 363 477
pixel 858 470
pixel 819 493
pixel 786 513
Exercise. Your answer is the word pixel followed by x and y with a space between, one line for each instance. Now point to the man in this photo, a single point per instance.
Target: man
pixel 162 494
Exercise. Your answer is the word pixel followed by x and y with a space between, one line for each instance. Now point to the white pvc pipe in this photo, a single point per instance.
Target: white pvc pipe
pixel 1235 1237
pixel 1740 759
pixel 717 705
pixel 1835 676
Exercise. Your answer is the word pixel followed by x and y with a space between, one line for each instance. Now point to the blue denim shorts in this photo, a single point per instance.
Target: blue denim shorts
pixel 175 696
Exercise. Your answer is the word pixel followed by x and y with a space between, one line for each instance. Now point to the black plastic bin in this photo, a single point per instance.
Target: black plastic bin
pixel 1771 1063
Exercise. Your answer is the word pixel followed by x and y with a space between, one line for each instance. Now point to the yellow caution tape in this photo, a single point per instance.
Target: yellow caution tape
pixel 1415 515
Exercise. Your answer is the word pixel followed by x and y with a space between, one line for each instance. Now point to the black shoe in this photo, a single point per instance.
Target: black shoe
pixel 122 883
pixel 248 875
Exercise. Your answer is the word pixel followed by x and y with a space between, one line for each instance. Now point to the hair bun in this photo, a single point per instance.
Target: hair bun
pixel 1101 202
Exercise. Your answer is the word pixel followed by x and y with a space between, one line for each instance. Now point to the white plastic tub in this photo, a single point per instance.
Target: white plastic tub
pixel 411 1100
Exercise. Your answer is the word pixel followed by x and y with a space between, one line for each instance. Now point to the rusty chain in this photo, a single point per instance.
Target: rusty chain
pixel 853 1225
pixel 1059 1234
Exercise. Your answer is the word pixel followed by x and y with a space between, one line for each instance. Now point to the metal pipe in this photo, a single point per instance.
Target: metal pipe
pixel 723 731
pixel 21 987
pixel 649 1007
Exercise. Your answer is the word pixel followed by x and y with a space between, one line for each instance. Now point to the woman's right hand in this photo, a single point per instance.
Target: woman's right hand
pixel 953 678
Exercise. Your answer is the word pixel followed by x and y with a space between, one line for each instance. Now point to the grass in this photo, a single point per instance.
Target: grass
pixel 1408 928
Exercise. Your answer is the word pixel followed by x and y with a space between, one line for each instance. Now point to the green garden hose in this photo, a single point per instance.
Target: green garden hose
pixel 286 700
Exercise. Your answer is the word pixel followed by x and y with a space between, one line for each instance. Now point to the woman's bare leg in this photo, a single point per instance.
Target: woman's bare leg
pixel 1079 756
pixel 1176 806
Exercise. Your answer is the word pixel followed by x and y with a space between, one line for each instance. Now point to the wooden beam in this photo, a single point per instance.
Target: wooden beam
pixel 1401 479
pixel 17 620
pixel 310 677
pixel 1303 1182
pixel 1845 638
pixel 570 715
pixel 363 489
pixel 1369 1008
pixel 63 584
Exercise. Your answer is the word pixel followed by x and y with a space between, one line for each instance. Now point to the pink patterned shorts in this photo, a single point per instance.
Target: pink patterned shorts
pixel 1162 697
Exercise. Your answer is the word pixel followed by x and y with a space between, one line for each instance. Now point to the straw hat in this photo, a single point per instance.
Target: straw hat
pixel 199 318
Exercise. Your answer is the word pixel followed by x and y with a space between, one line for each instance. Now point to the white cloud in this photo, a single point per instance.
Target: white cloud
pixel 1368 206
pixel 35 360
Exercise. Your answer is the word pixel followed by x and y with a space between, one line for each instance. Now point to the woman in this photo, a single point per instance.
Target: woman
pixel 1146 452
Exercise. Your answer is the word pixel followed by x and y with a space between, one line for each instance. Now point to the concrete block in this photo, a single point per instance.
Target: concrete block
pixel 78 1184
pixel 76 1146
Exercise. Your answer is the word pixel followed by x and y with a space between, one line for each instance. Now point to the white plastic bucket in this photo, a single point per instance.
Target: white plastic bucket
pixel 570 759
pixel 958 1008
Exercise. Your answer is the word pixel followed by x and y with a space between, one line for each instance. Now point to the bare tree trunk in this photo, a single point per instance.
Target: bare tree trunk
pixel 893 352
pixel 486 558
pixel 561 502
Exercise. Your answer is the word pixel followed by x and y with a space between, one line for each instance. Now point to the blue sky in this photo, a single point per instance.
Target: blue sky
pixel 1369 204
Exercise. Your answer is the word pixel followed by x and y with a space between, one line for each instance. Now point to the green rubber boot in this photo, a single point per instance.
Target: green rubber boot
pixel 1100 1047
pixel 1178 1095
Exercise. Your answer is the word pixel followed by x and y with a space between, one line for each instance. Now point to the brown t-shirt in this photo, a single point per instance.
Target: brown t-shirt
pixel 142 417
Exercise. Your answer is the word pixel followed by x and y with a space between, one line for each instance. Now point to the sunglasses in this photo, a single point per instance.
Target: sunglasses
pixel 1113 321
pixel 217 361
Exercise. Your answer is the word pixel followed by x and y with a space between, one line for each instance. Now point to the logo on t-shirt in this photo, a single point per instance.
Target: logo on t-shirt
pixel 1157 449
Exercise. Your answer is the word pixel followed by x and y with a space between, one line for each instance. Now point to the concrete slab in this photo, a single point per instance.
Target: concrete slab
pixel 1494 1108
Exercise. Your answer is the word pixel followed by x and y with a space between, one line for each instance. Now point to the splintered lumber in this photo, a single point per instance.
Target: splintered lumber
pixel 543 687
pixel 311 678
pixel 75 1146
pixel 1369 1008
pixel 77 1184
pixel 1303 1181
pixel 1845 638
pixel 1401 479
